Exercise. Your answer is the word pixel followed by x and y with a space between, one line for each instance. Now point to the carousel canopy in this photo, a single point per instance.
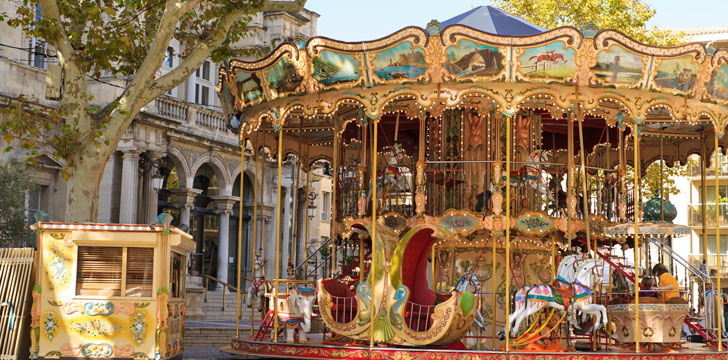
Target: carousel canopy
pixel 495 21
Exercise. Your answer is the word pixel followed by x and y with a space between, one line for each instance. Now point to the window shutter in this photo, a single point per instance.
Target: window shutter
pixel 99 271
pixel 139 271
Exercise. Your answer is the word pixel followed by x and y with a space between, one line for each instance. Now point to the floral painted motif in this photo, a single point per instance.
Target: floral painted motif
pixel 139 327
pixel 57 268
pixel 50 325
pixel 94 308
pixel 97 350
pixel 95 328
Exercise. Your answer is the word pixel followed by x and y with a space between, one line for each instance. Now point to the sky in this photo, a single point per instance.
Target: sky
pixel 359 20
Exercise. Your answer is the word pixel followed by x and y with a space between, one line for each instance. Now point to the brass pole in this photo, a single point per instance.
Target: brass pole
pixel 493 298
pixel 636 237
pixel 334 183
pixel 278 237
pixel 305 216
pixel 508 226
pixel 255 232
pixel 240 232
pixel 374 228
pixel 718 299
pixel 704 201
pixel 570 175
pixel 585 194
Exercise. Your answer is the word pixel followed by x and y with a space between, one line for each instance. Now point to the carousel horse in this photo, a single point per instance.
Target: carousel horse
pixel 257 288
pixel 578 295
pixel 466 282
pixel 393 178
pixel 710 297
pixel 534 176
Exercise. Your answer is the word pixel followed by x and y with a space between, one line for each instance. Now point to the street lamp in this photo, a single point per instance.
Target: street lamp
pixel 147 164
pixel 312 205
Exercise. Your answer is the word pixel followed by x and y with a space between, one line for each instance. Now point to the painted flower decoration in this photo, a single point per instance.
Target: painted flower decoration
pixel 139 327
pixel 50 325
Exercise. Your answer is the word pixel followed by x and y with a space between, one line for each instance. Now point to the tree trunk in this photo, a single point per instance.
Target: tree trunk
pixel 82 192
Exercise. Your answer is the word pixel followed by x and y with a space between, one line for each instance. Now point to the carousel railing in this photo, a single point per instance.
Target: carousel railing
pixel 395 190
pixel 344 308
pixel 418 316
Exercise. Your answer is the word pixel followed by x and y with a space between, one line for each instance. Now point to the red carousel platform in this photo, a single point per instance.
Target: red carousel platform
pixel 316 349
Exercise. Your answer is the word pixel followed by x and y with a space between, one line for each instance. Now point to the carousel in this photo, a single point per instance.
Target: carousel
pixel 484 188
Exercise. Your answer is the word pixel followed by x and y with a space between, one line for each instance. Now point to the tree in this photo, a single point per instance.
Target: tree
pixel 628 16
pixel 14 186
pixel 650 179
pixel 128 38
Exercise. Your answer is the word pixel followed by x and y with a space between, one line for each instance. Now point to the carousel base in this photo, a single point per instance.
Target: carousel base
pixel 316 349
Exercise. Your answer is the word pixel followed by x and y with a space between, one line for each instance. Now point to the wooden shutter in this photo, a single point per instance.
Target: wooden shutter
pixel 99 271
pixel 139 271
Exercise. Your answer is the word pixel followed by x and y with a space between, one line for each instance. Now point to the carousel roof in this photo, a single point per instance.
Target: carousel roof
pixel 676 96
pixel 495 21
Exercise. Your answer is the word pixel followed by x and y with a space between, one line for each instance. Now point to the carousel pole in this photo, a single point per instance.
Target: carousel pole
pixel 570 176
pixel 362 198
pixel 584 192
pixel 375 125
pixel 294 194
pixel 240 233
pixel 717 246
pixel 305 216
pixel 704 201
pixel 636 237
pixel 278 237
pixel 334 183
pixel 255 233
pixel 497 212
pixel 508 225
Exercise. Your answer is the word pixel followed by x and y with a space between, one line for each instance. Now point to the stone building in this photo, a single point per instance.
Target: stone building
pixel 182 137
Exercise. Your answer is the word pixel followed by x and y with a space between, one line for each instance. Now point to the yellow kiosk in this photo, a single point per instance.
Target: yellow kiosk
pixel 109 290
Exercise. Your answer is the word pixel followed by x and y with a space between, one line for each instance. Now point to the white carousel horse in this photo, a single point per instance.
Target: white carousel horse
pixel 541 296
pixel 394 178
pixel 710 296
pixel 564 273
pixel 464 284
pixel 257 288
pixel 295 313
pixel 534 177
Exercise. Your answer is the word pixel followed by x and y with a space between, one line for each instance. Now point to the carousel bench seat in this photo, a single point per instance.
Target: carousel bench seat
pixel 344 303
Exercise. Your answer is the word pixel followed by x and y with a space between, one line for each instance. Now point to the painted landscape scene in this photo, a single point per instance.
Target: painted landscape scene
pixel 467 58
pixel 330 68
pixel 405 61
pixel 679 74
pixel 617 65
pixel 718 84
pixel 283 77
pixel 552 61
pixel 248 86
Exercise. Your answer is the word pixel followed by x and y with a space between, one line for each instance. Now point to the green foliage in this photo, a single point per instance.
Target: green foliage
pixel 14 185
pixel 627 16
pixel 650 179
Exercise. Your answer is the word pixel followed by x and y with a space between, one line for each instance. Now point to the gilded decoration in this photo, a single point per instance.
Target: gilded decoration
pixel 462 222
pixel 534 223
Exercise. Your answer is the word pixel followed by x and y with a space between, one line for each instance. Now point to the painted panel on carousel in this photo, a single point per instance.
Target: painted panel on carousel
pixel 616 65
pixel 404 61
pixel 469 59
pixel 283 78
pixel 551 61
pixel 331 68
pixel 248 86
pixel 534 224
pixel 718 84
pixel 462 222
pixel 679 74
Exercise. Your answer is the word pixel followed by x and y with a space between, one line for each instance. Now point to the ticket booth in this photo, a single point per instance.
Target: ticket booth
pixel 109 291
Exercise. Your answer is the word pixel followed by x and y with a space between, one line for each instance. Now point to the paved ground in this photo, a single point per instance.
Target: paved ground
pixel 201 353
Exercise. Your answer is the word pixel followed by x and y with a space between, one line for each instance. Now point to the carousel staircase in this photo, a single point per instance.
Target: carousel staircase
pixel 694 326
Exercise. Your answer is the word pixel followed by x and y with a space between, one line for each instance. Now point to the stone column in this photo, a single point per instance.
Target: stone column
pixel 185 199
pixel 224 206
pixel 129 175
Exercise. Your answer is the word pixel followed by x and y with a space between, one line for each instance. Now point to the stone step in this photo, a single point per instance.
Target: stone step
pixel 209 337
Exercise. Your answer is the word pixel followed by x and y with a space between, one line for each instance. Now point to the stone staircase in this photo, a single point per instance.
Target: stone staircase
pixel 209 336
pixel 216 327
pixel 213 308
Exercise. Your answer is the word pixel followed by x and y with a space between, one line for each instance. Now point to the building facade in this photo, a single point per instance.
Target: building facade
pixel 183 137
